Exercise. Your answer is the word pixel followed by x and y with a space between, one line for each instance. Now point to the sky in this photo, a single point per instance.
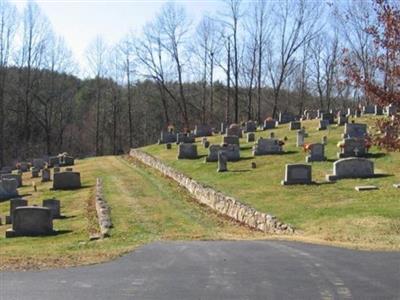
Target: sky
pixel 80 21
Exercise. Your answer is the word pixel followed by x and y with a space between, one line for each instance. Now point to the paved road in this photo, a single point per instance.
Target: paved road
pixel 219 270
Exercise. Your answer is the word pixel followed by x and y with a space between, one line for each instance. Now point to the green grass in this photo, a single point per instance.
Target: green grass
pixel 145 207
pixel 333 213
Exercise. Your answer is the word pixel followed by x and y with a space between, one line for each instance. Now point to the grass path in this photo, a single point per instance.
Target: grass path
pixel 145 207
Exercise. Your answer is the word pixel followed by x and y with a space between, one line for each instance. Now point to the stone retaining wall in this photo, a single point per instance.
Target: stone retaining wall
pixel 103 210
pixel 223 204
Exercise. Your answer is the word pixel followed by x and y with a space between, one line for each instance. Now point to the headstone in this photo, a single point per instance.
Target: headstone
pixel 23 166
pixel 250 126
pixel 222 162
pixel 285 117
pixel 35 172
pixel 378 111
pixel 317 153
pixel 267 146
pixel 66 181
pixel 368 109
pixel 202 130
pixel 187 151
pixel 251 137
pixel 186 138
pixel 272 135
pixel 352 147
pixel 67 160
pixel 234 129
pixel 54 206
pixel 14 203
pixel 353 167
pixel 17 177
pixel 324 140
pixel 8 188
pixel 319 113
pixel 53 161
pixel 391 110
pixel 357 113
pixel 69 169
pixel 232 152
pixel 206 144
pixel 300 138
pixel 355 130
pixel 342 120
pixel 167 137
pixel 311 114
pixel 361 188
pixel 230 140
pixel 350 112
pixel 294 125
pixel 31 221
pixel 38 163
pixel 223 128
pixel 56 169
pixel 46 175
pixel 323 124
pixel 297 174
pixel 253 165
pixel 269 124
pixel 168 146
pixel 396 185
pixel 328 117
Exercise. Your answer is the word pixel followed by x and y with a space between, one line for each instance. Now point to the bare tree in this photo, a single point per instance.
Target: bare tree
pixel 96 57
pixel 8 25
pixel 294 27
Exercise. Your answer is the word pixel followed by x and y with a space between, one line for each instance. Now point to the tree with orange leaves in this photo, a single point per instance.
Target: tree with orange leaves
pixel 384 87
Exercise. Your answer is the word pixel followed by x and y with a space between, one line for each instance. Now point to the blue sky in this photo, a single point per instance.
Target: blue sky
pixel 80 21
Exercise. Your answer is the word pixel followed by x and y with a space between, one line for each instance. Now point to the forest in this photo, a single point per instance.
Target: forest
pixel 249 61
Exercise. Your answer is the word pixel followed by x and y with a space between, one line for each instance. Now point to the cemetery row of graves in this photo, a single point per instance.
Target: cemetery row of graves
pixel 35 220
pixel 296 167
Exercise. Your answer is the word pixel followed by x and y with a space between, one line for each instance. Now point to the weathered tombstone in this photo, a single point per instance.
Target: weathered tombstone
pixel 35 172
pixel 8 188
pixel 253 165
pixel 46 175
pixel 378 111
pixel 328 117
pixel 294 125
pixel 324 140
pixel 222 162
pixel 250 126
pixel 232 152
pixel 317 153
pixel 202 130
pixel 66 181
pixel 234 129
pixel 272 135
pixel 68 161
pixel 251 137
pixel 14 203
pixel 38 163
pixel 186 138
pixel 54 206
pixel 355 130
pixel 167 137
pixel 269 124
pixel 53 161
pixel 323 124
pixel 230 140
pixel 353 167
pixel 342 120
pixel 297 174
pixel 31 221
pixel 168 146
pixel 357 113
pixel 187 151
pixel 300 138
pixel 206 144
pixel 352 147
pixel 368 109
pixel 361 188
pixel 267 146
pixel 17 177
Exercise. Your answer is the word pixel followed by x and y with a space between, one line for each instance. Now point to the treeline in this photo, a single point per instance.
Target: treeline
pixel 249 61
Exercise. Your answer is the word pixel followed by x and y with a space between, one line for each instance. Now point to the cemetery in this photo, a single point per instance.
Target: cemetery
pixel 289 179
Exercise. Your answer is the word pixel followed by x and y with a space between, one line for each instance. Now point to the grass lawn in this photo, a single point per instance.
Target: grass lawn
pixel 145 207
pixel 333 213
